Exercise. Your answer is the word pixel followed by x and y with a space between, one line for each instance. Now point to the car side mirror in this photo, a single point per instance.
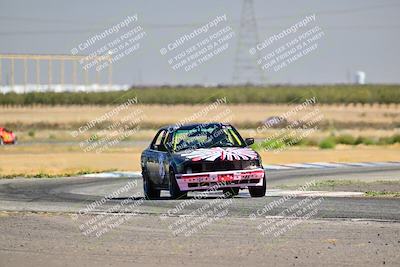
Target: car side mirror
pixel 249 141
pixel 161 147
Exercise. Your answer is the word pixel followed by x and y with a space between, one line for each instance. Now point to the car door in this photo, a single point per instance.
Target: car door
pixel 164 158
pixel 157 154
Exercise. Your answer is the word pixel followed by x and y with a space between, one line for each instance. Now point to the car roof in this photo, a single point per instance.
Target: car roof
pixel 192 125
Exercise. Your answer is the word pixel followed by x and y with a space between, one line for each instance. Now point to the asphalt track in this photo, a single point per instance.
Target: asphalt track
pixel 53 222
pixel 71 195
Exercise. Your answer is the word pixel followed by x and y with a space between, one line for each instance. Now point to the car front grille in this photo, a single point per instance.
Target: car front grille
pixel 218 165
pixel 241 182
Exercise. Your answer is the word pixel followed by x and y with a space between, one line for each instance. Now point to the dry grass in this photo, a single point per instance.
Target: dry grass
pixel 75 116
pixel 166 114
pixel 146 135
pixel 60 159
pixel 340 154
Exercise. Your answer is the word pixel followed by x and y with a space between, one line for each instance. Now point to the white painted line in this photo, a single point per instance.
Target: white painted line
pixel 328 164
pixel 271 167
pixel 114 175
pixel 299 193
pixel 360 164
pixel 302 165
pixel 387 163
pixel 276 167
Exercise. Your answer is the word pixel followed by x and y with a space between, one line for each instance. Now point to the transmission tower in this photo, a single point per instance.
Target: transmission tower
pixel 246 70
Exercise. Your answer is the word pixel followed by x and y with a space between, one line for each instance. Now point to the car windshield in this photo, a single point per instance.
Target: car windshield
pixel 206 136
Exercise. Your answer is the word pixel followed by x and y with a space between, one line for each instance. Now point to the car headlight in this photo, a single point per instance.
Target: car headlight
pixel 253 164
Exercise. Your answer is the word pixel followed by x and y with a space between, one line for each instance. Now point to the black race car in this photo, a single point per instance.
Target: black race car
pixel 198 157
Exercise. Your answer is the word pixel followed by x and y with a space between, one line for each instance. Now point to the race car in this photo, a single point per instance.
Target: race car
pixel 200 157
pixel 7 137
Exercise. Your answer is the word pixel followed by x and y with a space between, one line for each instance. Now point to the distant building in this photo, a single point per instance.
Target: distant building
pixel 360 77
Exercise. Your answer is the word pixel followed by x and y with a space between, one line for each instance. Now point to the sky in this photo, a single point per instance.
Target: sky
pixel 357 35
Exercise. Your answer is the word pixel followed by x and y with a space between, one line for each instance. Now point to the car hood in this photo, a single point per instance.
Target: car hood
pixel 221 153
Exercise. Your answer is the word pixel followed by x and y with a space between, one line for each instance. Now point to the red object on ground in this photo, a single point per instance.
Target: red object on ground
pixel 7 136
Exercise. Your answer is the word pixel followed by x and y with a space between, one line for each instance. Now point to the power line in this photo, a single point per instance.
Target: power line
pixel 165 26
pixel 331 12
pixel 278 27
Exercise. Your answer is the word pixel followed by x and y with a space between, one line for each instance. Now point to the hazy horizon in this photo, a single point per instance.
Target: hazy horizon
pixel 358 36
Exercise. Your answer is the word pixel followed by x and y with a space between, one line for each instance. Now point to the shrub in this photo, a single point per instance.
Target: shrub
pixel 327 143
pixel 31 133
pixel 369 141
pixel 289 141
pixel 389 140
pixel 93 138
pixel 328 94
pixel 396 138
pixel 308 142
pixel 273 144
pixel 345 139
pixel 386 141
pixel 364 140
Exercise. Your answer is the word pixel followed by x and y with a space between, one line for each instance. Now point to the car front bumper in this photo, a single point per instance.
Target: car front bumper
pixel 220 180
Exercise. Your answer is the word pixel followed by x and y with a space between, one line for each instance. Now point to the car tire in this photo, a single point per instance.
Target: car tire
pixel 148 188
pixel 258 191
pixel 1 142
pixel 174 190
pixel 231 192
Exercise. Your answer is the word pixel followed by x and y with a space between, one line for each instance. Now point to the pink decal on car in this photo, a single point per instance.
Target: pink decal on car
pixel 231 153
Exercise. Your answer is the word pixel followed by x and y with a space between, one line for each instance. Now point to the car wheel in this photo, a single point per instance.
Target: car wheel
pixel 258 191
pixel 231 192
pixel 149 191
pixel 174 190
pixel 1 142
